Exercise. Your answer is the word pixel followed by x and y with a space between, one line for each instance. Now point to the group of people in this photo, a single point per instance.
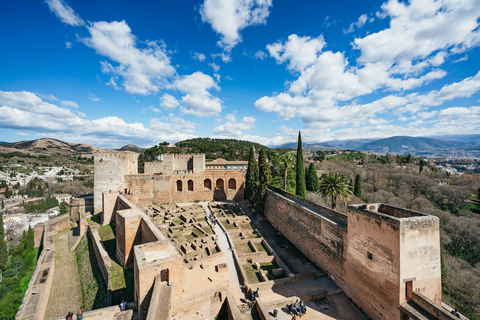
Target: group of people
pixel 79 315
pixel 254 294
pixel 213 219
pixel 298 308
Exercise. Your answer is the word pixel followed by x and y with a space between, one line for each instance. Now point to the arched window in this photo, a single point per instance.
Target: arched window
pixel 207 184
pixel 190 185
pixel 179 185
pixel 219 184
pixel 232 184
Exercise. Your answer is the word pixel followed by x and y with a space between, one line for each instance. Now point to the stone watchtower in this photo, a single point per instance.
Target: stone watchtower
pixel 393 257
pixel 110 170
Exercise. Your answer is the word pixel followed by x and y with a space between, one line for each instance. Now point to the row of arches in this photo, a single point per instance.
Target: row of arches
pixel 207 184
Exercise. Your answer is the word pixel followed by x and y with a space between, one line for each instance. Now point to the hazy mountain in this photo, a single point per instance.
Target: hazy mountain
pixel 398 145
pixel 321 146
pixel 47 145
pixel 131 147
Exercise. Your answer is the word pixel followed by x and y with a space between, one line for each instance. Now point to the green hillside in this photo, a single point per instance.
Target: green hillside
pixel 228 149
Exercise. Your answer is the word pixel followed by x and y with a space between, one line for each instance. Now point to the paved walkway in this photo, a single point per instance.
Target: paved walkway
pixel 66 293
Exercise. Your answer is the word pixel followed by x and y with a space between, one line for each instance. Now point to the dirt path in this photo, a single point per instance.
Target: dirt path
pixel 66 293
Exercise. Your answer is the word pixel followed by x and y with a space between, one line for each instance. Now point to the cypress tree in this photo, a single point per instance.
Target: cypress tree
pixel 264 179
pixel 312 178
pixel 265 175
pixel 357 190
pixel 251 181
pixel 301 189
pixel 3 205
pixel 30 243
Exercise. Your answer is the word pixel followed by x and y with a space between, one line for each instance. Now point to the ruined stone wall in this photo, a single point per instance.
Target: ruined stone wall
pixel 153 167
pixel 320 237
pixel 59 223
pixel 110 170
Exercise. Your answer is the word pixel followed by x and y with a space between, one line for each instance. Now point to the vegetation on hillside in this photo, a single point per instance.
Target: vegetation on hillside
pixel 228 149
pixel 18 271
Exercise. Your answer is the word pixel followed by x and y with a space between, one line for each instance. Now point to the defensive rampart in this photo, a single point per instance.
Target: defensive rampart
pixel 379 255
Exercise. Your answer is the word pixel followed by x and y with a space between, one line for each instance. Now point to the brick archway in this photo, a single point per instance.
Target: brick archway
pixel 207 184
pixel 190 185
pixel 219 185
pixel 232 184
pixel 179 185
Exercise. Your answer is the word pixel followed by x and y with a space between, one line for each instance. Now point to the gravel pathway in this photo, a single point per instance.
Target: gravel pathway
pixel 65 294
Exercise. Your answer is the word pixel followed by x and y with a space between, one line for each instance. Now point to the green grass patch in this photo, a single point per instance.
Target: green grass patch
pixel 253 276
pixel 243 248
pixel 260 247
pixel 94 288
pixel 228 226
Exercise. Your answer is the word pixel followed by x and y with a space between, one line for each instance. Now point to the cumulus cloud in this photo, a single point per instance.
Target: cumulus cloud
pixel 229 17
pixel 168 101
pixel 143 70
pixel 93 97
pixel 418 29
pixel 234 128
pixel 27 111
pixel 68 45
pixel 65 13
pixel 214 66
pixel 406 55
pixel 300 52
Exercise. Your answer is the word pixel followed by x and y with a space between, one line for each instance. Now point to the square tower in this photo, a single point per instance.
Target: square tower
pixel 392 252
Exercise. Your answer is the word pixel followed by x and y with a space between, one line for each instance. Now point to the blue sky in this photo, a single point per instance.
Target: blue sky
pixel 111 73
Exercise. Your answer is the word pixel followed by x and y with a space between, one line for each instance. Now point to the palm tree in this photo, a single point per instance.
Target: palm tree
pixel 335 185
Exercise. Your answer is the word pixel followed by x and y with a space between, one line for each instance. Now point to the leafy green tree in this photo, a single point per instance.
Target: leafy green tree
pixel 312 178
pixel 63 208
pixel 30 242
pixel 251 180
pixel 288 159
pixel 335 186
pixel 357 189
pixel 301 188
pixel 3 205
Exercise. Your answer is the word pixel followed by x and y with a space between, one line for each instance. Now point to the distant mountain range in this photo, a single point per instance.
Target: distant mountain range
pixel 398 145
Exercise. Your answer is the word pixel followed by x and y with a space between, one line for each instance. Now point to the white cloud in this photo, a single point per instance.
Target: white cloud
pixel 233 128
pixel 68 45
pixel 21 134
pixel 228 77
pixel 214 66
pixel 229 17
pixel 199 56
pixel 143 70
pixel 260 55
pixel 26 111
pixel 65 13
pixel 168 101
pixel 301 52
pixel 418 29
pixel 404 56
pixel 93 97
pixel 360 23
pixel 225 57
pixel 70 104
pixel 156 110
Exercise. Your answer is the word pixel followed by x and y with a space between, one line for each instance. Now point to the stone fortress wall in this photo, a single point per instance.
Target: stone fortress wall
pixel 380 256
pixel 173 178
